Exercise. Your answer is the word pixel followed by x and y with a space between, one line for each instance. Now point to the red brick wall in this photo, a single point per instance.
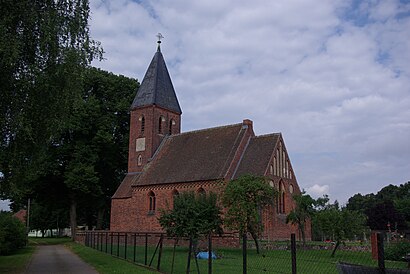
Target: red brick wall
pixel 152 137
pixel 133 214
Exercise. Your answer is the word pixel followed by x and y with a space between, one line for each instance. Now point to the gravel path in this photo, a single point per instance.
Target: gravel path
pixel 57 259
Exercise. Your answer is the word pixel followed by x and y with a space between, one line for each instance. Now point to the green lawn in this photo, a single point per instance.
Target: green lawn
pixel 230 260
pixel 16 262
pixel 105 263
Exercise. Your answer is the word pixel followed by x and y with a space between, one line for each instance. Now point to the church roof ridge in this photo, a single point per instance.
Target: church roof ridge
pixel 273 134
pixel 205 129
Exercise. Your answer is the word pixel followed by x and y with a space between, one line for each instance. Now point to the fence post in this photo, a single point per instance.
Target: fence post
pixel 146 248
pixel 118 244
pixel 126 244
pixel 380 253
pixel 244 247
pixel 210 253
pixel 135 245
pixel 160 251
pixel 293 251
pixel 188 265
pixel 106 242
pixel 111 236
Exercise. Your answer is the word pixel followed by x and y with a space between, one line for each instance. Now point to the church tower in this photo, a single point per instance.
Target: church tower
pixel 155 113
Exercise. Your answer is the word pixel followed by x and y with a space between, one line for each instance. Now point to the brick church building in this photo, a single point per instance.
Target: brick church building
pixel 163 162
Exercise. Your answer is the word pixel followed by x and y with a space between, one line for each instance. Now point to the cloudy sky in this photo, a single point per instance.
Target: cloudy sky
pixel 332 75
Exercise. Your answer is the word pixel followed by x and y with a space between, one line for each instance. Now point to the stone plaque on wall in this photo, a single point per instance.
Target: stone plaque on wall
pixel 140 146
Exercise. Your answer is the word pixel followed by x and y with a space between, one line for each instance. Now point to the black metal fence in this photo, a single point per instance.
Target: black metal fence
pixel 231 254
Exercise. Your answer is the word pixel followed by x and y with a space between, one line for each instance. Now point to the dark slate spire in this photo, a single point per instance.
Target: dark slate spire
pixel 156 87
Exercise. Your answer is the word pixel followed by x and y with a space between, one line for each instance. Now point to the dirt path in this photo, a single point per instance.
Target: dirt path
pixel 57 259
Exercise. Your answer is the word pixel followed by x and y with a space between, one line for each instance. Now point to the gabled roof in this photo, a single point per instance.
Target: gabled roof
pixel 156 87
pixel 194 156
pixel 257 155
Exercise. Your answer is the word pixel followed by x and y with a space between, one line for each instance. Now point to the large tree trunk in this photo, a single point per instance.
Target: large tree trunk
pixel 100 218
pixel 73 218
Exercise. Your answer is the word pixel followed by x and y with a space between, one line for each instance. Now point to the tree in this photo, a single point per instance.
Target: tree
pixel 44 46
pixel 388 206
pixel 244 198
pixel 339 225
pixel 12 233
pixel 192 215
pixel 303 211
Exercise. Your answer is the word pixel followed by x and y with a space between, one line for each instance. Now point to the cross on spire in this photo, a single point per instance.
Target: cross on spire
pixel 159 36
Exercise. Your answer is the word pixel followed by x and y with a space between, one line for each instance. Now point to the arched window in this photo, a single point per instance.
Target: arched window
pixel 152 201
pixel 175 194
pixel 142 120
pixel 160 124
pixel 171 125
pixel 280 204
pixel 201 191
pixel 139 160
pixel 271 169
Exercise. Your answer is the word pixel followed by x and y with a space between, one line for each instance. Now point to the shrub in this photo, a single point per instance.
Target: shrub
pixel 397 251
pixel 12 233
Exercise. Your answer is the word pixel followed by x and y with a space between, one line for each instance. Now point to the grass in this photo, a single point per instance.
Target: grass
pixel 230 260
pixel 16 262
pixel 105 263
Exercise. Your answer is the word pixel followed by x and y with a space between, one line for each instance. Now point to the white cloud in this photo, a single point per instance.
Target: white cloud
pixel 333 77
pixel 317 191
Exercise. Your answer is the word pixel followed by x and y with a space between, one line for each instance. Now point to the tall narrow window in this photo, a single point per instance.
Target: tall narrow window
pixel 139 160
pixel 152 201
pixel 277 162
pixel 142 120
pixel 281 199
pixel 175 194
pixel 271 169
pixel 274 166
pixel 160 125
pixel 171 123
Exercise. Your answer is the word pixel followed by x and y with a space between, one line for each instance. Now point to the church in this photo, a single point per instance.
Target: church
pixel 163 161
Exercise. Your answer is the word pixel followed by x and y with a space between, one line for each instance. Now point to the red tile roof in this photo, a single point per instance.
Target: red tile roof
pixel 194 156
pixel 124 190
pixel 257 155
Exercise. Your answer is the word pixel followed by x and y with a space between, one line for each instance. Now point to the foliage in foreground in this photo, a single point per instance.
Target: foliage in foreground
pixel 192 215
pixel 12 233
pixel 244 198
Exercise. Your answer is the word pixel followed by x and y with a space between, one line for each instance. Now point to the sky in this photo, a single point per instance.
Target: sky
pixel 333 76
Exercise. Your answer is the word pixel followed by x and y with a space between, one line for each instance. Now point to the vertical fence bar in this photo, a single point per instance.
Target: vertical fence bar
pixel 125 247
pixel 188 265
pixel 111 236
pixel 101 243
pixel 244 247
pixel 293 251
pixel 380 253
pixel 118 244
pixel 146 248
pixel 106 242
pixel 160 251
pixel 135 245
pixel 210 253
